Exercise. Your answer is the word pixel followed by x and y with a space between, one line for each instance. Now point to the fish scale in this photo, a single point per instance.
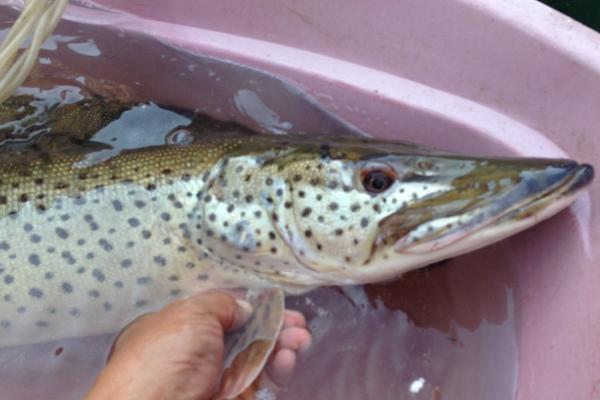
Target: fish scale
pixel 85 248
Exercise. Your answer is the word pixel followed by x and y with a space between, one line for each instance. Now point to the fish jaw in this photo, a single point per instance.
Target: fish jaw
pixel 512 220
pixel 535 203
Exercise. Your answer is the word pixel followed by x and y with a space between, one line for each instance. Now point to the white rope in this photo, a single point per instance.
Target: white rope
pixel 37 21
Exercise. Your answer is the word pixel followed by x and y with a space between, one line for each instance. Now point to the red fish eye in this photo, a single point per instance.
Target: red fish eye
pixel 378 180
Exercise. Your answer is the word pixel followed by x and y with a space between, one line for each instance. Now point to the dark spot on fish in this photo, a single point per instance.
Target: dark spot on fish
pixel 141 303
pixel 34 260
pixel 94 294
pixel 105 244
pixel 144 280
pixel 75 312
pixel 133 222
pixel 8 279
pixel 333 206
pixel 66 287
pixel 364 222
pixel 146 234
pixel 61 233
pixel 99 275
pixel 160 260
pixel 36 293
pixel 126 263
pixel 117 205
pixel 165 216
pixel 339 232
pixel 68 257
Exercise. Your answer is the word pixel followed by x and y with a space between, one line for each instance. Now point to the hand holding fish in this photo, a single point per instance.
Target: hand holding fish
pixel 177 353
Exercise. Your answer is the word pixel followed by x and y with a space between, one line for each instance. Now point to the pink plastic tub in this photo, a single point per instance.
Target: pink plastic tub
pixel 493 77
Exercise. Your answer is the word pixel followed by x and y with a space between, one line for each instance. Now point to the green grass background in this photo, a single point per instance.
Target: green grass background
pixel 584 11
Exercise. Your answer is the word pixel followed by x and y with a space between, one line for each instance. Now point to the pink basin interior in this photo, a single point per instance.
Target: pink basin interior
pixel 475 76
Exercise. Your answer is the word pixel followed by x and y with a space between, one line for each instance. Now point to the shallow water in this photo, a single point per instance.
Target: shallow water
pixel 444 332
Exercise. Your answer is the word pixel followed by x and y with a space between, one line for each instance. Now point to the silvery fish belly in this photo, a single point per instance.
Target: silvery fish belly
pixel 86 248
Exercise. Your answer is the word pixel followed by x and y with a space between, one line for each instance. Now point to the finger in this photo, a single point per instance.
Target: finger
pixel 294 338
pixel 243 312
pixel 293 318
pixel 230 312
pixel 282 366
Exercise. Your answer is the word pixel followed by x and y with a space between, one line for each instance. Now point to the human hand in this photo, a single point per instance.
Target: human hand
pixel 177 353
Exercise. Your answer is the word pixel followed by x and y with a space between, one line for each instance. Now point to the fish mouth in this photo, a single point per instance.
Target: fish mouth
pixel 536 197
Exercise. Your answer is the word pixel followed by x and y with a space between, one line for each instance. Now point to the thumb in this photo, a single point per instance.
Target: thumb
pixel 243 311
pixel 230 312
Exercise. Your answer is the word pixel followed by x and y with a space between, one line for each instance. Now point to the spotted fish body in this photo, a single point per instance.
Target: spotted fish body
pixel 86 248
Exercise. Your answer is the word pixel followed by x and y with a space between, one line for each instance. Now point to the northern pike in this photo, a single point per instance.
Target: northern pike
pixel 85 248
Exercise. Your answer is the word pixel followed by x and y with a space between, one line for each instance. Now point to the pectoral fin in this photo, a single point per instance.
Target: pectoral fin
pixel 247 349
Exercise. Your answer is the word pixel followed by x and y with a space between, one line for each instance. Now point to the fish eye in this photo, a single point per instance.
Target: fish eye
pixel 377 180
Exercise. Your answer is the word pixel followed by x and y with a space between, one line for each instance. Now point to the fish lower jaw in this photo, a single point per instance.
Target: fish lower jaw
pixel 399 263
pixel 498 229
pixel 507 223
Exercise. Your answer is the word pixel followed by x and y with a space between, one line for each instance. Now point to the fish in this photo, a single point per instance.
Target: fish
pixel 87 247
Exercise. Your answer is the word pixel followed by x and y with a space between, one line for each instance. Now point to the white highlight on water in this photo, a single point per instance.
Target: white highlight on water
pixel 417 385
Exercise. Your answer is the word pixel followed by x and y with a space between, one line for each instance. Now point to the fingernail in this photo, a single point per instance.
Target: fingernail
pixel 242 313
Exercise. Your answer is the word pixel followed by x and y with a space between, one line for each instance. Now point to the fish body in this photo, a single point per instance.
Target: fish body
pixel 85 248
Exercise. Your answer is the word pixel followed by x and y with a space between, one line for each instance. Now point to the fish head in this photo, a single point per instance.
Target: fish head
pixel 358 211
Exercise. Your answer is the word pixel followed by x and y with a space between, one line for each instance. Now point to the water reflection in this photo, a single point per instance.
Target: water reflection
pixel 445 332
